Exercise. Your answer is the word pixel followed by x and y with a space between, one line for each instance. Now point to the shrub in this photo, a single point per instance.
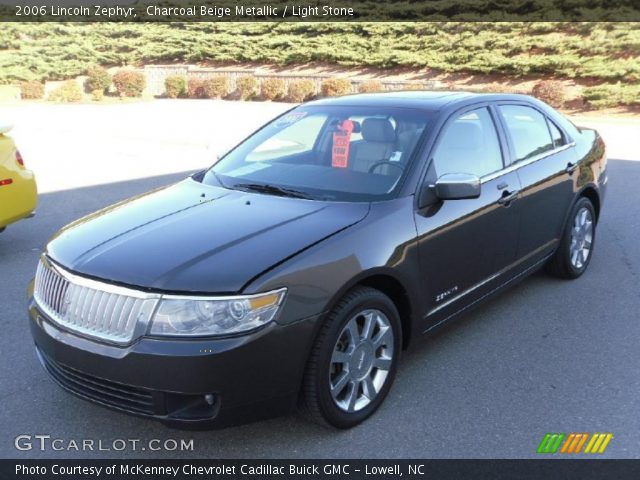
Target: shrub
pixel 247 87
pixel 593 50
pixel 333 87
pixel 300 90
pixel 413 86
pixel 601 96
pixel 31 90
pixel 175 86
pixel 68 92
pixel 495 88
pixel 216 87
pixel 97 95
pixel 97 79
pixel 195 88
pixel 612 95
pixel 551 92
pixel 273 88
pixel 129 83
pixel 371 86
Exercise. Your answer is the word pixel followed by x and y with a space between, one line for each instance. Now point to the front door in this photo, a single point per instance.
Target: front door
pixel 465 244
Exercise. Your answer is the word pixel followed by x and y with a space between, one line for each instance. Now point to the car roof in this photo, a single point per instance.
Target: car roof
pixel 427 100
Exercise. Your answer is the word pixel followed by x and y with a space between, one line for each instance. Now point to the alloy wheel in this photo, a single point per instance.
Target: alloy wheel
pixel 581 238
pixel 361 360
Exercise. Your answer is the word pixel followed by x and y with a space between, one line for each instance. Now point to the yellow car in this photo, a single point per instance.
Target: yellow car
pixel 18 191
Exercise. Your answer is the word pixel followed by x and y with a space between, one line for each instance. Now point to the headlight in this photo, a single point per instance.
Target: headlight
pixel 191 316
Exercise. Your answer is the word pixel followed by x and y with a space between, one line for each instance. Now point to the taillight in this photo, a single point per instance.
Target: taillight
pixel 19 159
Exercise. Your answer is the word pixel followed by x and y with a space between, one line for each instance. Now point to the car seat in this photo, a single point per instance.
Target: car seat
pixel 378 140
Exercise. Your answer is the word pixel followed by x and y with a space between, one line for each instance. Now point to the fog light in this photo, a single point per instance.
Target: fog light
pixel 192 407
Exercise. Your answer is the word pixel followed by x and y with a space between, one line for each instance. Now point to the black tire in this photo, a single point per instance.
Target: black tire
pixel 317 402
pixel 560 264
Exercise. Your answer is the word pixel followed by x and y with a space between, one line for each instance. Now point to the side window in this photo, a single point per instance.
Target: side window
pixel 556 135
pixel 528 130
pixel 469 144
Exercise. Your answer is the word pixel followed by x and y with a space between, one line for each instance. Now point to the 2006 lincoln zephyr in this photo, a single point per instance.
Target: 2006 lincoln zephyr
pixel 297 268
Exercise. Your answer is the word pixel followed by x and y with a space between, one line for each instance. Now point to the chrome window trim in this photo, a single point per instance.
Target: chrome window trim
pixel 523 163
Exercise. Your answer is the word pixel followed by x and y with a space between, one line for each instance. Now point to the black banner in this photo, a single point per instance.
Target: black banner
pixel 320 10
pixel 320 469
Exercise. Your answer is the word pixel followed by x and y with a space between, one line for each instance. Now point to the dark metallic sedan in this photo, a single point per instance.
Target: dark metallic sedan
pixel 296 269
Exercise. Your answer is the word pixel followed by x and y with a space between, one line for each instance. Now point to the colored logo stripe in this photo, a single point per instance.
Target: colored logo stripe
pixel 574 442
pixel 550 442
pixel 598 443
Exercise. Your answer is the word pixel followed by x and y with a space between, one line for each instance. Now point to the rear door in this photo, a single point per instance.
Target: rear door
pixel 541 154
pixel 465 244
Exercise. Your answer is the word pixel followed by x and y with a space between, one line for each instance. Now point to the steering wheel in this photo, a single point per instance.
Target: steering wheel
pixel 386 162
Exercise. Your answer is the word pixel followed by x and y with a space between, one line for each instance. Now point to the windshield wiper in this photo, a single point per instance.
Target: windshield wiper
pixel 272 190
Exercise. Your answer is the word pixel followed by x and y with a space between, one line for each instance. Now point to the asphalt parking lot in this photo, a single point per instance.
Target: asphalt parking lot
pixel 546 356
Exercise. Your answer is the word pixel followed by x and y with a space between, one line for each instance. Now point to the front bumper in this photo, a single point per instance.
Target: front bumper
pixel 204 383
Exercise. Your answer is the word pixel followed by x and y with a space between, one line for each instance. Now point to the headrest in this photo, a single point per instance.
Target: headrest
pixel 466 135
pixel 378 130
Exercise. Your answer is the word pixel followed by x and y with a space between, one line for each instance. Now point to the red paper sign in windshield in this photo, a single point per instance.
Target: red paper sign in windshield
pixel 341 139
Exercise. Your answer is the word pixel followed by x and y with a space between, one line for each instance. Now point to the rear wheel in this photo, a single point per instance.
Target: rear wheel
pixel 354 359
pixel 576 246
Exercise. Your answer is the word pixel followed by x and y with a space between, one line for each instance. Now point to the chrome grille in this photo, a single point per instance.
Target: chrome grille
pixel 91 308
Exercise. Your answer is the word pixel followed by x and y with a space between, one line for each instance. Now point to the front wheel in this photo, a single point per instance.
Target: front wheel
pixel 354 359
pixel 576 246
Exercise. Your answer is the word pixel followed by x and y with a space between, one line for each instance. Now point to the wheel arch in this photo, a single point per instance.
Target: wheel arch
pixel 387 282
pixel 591 193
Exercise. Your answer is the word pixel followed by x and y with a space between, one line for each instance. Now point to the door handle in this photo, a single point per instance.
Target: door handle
pixel 508 197
pixel 571 167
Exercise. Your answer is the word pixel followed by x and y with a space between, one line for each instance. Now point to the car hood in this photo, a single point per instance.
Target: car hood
pixel 191 237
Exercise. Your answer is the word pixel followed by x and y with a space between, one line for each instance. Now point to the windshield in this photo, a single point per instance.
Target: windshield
pixel 326 152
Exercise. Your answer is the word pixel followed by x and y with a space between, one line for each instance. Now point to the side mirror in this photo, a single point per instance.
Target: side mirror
pixel 457 186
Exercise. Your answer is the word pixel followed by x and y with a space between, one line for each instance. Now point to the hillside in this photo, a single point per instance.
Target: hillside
pixel 589 53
